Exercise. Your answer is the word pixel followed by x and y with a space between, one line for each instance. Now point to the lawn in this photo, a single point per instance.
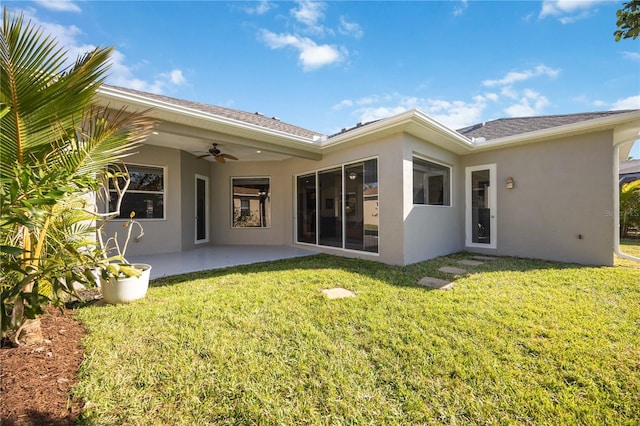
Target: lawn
pixel 515 341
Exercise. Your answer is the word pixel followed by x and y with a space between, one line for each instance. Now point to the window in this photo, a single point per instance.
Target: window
pixel 251 202
pixel 145 195
pixel 431 183
pixel 345 212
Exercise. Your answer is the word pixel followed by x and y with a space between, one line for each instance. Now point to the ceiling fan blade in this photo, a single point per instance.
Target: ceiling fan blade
pixel 219 159
pixel 229 156
pixel 202 156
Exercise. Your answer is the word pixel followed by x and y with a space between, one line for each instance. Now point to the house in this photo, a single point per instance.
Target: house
pixel 398 190
pixel 629 171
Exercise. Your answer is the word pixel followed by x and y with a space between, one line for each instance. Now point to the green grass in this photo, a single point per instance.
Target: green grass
pixel 516 341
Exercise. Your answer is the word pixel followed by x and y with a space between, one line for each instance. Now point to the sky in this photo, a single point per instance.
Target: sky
pixel 329 65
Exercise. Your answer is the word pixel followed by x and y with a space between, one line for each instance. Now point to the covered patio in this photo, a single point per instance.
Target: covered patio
pixel 215 257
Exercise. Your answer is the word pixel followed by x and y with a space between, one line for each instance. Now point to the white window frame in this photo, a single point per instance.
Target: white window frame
pixel 316 172
pixel 232 200
pixel 439 163
pixel 165 180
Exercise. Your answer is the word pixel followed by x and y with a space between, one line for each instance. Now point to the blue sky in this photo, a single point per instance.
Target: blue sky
pixel 329 65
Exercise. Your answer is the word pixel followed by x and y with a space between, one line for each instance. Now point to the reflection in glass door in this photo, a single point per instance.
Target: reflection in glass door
pixel 330 207
pixel 481 206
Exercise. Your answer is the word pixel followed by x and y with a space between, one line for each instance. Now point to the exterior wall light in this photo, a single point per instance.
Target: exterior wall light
pixel 509 183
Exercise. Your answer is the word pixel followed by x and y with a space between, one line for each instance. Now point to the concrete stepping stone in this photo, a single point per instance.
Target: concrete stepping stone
pixel 338 293
pixel 452 270
pixel 484 257
pixel 470 262
pixel 435 283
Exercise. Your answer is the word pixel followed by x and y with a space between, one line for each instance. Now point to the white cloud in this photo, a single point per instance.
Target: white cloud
pixel 453 114
pixel 634 56
pixel 120 73
pixel 309 12
pixel 568 11
pixel 460 8
pixel 530 103
pixel 632 102
pixel 311 55
pixel 59 6
pixel 261 8
pixel 350 28
pixel 518 76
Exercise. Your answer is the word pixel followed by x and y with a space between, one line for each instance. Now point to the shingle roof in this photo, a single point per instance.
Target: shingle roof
pixel 505 127
pixel 631 166
pixel 257 119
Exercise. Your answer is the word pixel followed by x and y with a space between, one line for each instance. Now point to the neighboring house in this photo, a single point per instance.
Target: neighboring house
pixel 398 190
pixel 629 171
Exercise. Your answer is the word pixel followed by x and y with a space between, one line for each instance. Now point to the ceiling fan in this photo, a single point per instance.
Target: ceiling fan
pixel 218 155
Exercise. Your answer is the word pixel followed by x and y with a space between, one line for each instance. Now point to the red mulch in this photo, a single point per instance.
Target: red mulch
pixel 36 380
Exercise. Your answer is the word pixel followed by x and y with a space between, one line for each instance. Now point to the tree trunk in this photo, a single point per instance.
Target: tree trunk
pixel 29 332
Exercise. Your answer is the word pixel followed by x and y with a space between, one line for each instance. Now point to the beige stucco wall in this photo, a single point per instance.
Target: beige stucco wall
pixel 222 231
pixel 431 231
pixel 390 162
pixel 563 190
pixel 160 235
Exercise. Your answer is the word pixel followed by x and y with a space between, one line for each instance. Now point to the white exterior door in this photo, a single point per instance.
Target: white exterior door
pixel 202 209
pixel 481 206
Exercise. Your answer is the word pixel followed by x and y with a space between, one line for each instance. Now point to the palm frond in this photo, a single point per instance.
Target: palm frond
pixel 36 92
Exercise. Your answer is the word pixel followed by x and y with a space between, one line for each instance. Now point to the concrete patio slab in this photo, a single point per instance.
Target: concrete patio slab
pixel 435 283
pixel 452 270
pixel 338 293
pixel 470 262
pixel 215 257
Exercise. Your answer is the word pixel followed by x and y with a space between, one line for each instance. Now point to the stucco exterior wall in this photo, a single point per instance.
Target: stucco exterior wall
pixel 222 231
pixel 431 231
pixel 389 152
pixel 561 206
pixel 160 235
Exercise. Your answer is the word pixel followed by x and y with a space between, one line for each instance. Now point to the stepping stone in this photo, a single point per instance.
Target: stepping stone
pixel 435 283
pixel 485 257
pixel 470 262
pixel 338 293
pixel 452 270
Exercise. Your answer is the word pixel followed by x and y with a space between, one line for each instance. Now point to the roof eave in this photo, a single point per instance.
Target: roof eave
pixel 205 120
pixel 604 123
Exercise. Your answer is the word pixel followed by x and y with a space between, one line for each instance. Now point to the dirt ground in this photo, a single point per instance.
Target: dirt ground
pixel 36 380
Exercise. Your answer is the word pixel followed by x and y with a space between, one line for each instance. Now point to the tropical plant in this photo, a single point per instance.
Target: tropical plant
pixel 55 145
pixel 628 21
pixel 629 207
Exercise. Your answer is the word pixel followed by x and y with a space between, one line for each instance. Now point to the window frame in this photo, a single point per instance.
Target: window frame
pixel 136 191
pixel 316 172
pixel 268 197
pixel 448 167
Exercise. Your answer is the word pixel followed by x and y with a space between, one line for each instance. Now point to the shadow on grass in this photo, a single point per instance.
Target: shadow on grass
pixel 404 276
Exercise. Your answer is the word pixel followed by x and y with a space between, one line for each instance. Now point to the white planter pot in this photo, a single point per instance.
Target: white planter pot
pixel 122 290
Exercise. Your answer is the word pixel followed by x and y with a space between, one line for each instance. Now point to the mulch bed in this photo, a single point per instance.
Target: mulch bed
pixel 36 380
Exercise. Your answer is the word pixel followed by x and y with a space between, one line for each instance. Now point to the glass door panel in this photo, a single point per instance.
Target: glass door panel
pixel 481 206
pixel 354 223
pixel 330 207
pixel 306 209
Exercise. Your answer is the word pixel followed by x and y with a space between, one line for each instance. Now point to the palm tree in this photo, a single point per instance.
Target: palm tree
pixel 629 207
pixel 56 146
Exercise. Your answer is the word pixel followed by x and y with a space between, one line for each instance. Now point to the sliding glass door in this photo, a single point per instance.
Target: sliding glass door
pixel 345 212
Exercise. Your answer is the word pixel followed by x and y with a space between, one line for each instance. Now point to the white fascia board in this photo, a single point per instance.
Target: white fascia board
pixel 604 123
pixel 411 121
pixel 248 129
